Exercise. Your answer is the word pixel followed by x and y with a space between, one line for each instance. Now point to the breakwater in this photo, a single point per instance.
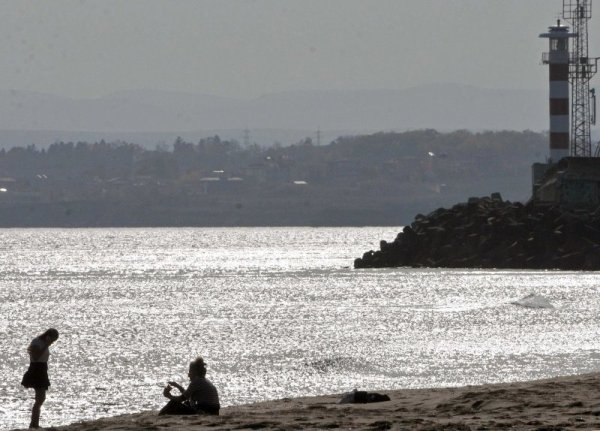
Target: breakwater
pixel 492 233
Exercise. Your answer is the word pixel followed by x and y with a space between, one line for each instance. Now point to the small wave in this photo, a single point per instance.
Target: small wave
pixel 533 301
pixel 328 364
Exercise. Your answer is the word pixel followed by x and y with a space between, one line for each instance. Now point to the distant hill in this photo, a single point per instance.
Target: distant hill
pixel 149 116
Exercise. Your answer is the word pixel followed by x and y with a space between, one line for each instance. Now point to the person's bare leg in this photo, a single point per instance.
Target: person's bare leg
pixel 40 397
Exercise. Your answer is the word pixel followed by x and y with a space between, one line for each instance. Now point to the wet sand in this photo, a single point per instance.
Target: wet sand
pixel 565 403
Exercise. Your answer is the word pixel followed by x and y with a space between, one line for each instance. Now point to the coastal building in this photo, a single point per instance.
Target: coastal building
pixel 572 182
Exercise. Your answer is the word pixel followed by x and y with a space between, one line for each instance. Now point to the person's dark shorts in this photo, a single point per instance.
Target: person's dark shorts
pixel 36 376
pixel 183 408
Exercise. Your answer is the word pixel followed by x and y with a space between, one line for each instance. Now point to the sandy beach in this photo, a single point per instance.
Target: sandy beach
pixel 565 403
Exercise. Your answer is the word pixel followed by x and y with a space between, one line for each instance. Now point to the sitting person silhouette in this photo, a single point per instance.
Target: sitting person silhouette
pixel 200 397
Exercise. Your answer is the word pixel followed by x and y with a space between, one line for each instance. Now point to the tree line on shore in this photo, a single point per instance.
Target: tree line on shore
pixel 376 178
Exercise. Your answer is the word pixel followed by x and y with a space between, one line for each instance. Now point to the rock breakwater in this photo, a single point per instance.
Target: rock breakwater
pixel 492 233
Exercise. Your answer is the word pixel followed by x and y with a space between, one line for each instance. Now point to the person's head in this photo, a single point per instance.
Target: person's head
pixel 50 336
pixel 197 368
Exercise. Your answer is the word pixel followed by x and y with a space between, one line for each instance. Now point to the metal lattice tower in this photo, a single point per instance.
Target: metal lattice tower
pixel 246 137
pixel 581 70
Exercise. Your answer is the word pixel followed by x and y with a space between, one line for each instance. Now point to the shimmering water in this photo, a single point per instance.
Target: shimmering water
pixel 275 312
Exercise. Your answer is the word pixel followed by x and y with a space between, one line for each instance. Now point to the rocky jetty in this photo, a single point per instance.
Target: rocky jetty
pixel 491 233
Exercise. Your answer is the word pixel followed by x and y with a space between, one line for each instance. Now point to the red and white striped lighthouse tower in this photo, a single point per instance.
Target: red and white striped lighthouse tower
pixel 558 59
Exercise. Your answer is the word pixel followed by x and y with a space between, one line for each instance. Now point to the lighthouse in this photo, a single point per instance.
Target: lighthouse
pixel 558 58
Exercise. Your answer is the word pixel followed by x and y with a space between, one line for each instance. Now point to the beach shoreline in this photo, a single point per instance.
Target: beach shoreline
pixel 562 403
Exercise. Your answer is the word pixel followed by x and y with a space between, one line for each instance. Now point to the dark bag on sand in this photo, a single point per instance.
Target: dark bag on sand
pixel 363 397
pixel 374 397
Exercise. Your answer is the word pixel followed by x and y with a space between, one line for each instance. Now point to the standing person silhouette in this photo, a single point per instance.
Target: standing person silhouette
pixel 36 376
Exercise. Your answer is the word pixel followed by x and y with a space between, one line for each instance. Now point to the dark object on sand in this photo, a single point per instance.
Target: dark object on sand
pixel 363 397
pixel 491 233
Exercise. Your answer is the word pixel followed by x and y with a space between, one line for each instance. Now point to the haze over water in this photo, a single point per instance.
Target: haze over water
pixel 276 312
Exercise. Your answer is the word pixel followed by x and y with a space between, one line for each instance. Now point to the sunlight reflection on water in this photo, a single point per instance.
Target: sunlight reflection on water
pixel 276 313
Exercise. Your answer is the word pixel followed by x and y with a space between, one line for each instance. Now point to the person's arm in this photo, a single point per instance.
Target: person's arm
pixel 176 385
pixel 36 349
pixel 167 393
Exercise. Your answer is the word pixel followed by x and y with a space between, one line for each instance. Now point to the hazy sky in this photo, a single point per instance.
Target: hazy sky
pixel 245 48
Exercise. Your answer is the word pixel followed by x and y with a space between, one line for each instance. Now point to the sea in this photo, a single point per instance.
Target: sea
pixel 275 312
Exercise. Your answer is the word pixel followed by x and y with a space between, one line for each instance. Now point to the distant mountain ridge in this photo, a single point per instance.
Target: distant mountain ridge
pixel 151 112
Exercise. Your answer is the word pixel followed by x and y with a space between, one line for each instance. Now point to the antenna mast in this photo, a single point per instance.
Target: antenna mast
pixel 246 137
pixel 581 71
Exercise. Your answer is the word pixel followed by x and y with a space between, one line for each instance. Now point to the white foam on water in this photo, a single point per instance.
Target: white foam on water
pixel 534 301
